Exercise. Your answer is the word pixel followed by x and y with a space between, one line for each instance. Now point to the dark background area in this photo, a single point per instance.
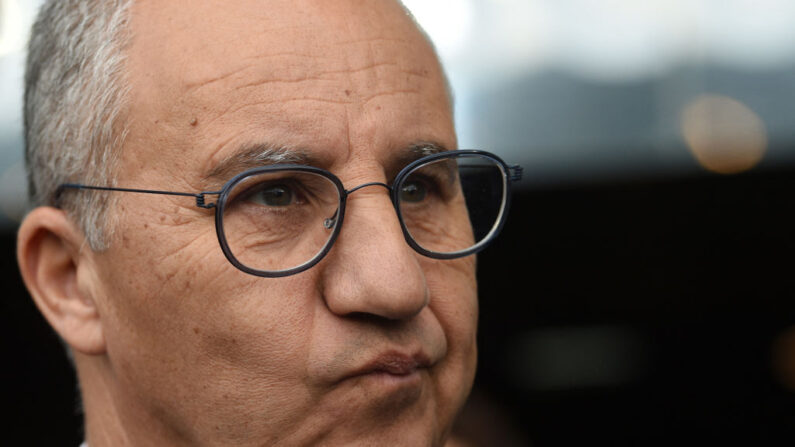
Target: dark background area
pixel 644 312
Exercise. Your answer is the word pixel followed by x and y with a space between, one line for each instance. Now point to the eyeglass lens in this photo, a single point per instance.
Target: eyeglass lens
pixel 452 204
pixel 281 220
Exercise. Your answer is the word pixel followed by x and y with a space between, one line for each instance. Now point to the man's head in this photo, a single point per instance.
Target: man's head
pixel 172 343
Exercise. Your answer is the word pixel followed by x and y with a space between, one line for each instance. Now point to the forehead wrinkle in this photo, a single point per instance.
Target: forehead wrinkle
pixel 284 78
pixel 235 107
pixel 191 86
pixel 296 75
pixel 262 69
pixel 281 71
pixel 374 46
pixel 336 95
pixel 366 100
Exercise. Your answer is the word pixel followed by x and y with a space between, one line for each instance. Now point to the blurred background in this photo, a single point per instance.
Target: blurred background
pixel 641 292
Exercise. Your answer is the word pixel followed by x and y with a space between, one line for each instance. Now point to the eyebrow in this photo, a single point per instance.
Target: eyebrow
pixel 255 155
pixel 424 148
pixel 413 152
pixel 447 170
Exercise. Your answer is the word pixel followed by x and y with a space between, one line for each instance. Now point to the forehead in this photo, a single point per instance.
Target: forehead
pixel 339 78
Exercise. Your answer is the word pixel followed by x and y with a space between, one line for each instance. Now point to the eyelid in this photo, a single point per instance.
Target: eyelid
pixel 440 170
pixel 265 186
pixel 438 184
pixel 247 191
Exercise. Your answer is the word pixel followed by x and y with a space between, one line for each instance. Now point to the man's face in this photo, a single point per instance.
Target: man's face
pixel 375 344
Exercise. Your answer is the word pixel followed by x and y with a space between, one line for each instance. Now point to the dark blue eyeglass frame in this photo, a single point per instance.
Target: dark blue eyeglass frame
pixel 509 174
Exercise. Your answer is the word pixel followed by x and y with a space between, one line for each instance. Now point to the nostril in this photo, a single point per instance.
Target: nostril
pixel 375 319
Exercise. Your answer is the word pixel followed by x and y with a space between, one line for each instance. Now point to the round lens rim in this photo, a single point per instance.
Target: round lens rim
pixel 221 206
pixel 495 230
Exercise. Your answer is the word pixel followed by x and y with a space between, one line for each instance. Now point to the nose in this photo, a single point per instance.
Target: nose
pixel 371 269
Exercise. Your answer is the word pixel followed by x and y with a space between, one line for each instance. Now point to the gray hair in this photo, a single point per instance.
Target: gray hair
pixel 75 97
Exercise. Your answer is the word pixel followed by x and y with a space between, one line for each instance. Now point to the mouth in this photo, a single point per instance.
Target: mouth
pixel 392 380
pixel 393 365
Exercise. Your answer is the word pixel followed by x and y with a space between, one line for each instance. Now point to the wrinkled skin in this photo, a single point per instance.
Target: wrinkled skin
pixel 196 352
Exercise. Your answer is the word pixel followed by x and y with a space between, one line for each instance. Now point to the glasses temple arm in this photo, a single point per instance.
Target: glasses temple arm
pixel 200 199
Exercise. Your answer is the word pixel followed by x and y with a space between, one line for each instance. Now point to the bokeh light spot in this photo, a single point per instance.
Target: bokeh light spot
pixel 783 358
pixel 724 135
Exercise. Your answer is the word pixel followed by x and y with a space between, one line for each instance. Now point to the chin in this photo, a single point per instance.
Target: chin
pixel 382 411
pixel 420 434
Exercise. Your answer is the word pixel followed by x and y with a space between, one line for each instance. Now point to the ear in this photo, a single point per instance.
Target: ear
pixel 55 263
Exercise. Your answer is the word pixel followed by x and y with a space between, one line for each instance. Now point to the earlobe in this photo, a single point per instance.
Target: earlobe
pixel 54 266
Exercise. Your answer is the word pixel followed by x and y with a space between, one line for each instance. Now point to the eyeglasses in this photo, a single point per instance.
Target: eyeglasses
pixel 282 219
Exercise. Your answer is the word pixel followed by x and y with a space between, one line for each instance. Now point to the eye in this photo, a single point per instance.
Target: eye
pixel 413 191
pixel 278 195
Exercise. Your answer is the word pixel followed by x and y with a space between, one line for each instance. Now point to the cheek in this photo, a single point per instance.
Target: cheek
pixel 453 291
pixel 175 302
pixel 187 323
pixel 260 328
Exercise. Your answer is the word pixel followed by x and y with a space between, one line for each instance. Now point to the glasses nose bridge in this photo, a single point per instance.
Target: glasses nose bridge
pixel 365 185
pixel 329 222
